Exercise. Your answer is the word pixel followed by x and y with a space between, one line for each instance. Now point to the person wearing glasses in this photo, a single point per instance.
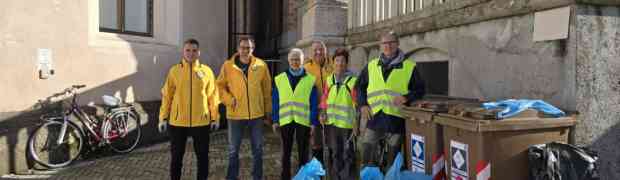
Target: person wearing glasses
pixel 385 85
pixel 295 106
pixel 245 88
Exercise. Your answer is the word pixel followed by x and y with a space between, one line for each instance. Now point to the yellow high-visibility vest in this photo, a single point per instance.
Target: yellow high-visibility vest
pixel 294 105
pixel 381 93
pixel 340 107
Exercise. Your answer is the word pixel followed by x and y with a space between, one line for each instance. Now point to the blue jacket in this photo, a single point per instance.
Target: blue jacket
pixel 314 100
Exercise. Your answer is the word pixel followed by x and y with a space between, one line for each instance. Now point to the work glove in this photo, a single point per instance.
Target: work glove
pixel 162 126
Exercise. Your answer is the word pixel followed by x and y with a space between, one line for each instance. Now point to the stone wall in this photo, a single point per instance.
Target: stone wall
pixel 598 83
pixel 493 60
pixel 492 55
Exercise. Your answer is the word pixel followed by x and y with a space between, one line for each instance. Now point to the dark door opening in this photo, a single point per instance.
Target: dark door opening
pixel 436 76
pixel 260 19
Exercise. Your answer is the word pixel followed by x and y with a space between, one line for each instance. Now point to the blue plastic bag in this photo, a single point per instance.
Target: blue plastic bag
pixel 371 173
pixel 395 173
pixel 512 107
pixel 312 170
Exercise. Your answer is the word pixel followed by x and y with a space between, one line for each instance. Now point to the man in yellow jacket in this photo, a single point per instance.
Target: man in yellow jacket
pixel 319 66
pixel 245 86
pixel 189 106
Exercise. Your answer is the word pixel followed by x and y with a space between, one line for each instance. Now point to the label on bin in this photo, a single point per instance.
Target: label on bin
pixel 417 153
pixel 459 166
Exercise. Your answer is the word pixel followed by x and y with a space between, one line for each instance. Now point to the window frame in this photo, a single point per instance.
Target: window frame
pixel 120 19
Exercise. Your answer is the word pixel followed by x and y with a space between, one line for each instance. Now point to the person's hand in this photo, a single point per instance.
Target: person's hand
pixel 215 125
pixel 267 119
pixel 365 116
pixel 275 127
pixel 399 100
pixel 162 126
pixel 323 117
pixel 356 131
pixel 233 103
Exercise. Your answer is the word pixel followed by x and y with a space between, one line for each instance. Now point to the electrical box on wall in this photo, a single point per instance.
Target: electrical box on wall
pixel 44 63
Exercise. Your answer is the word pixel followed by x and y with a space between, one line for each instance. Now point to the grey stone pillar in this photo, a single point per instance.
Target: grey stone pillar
pixel 598 83
pixel 324 20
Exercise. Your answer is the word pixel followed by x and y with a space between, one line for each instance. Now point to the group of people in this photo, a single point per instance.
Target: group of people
pixel 317 101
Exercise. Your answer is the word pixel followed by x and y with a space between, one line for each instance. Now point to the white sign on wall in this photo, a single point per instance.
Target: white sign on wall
pixel 551 24
pixel 44 63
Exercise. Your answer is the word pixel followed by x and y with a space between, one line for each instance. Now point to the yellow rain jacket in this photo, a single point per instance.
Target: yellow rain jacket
pixel 252 92
pixel 320 72
pixel 189 96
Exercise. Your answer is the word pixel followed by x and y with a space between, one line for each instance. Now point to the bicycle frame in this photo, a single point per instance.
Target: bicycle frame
pixel 82 117
pixel 92 127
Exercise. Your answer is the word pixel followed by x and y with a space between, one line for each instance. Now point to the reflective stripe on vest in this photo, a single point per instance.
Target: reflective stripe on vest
pixel 380 93
pixel 340 108
pixel 294 105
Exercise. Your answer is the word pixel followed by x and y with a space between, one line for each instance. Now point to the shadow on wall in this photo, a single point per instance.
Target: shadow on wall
pixel 16 127
pixel 607 147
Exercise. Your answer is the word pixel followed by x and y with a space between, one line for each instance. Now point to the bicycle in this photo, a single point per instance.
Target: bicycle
pixel 382 152
pixel 59 141
pixel 382 155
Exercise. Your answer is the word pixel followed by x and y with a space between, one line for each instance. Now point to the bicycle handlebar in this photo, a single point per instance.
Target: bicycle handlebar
pixel 67 91
pixel 72 89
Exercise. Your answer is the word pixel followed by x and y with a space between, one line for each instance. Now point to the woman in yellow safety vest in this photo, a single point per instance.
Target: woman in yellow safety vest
pixel 338 113
pixel 295 105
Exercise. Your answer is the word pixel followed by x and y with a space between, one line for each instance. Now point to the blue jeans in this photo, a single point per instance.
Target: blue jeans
pixel 236 130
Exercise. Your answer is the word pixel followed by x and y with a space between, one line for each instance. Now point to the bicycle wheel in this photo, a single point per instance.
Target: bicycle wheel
pixel 122 131
pixel 44 147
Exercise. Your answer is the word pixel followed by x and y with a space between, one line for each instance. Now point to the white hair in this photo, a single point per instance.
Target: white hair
pixel 297 51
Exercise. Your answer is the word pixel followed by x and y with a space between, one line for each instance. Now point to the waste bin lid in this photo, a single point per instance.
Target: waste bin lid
pixel 509 124
pixel 438 103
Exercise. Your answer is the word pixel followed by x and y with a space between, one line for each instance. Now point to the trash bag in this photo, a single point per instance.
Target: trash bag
pixel 312 170
pixel 371 173
pixel 557 161
pixel 512 107
pixel 395 173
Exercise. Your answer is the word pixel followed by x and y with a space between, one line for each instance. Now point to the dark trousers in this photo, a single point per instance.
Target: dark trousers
pixel 178 139
pixel 317 143
pixel 289 133
pixel 342 154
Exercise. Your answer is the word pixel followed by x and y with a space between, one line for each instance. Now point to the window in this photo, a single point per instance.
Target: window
pixel 126 17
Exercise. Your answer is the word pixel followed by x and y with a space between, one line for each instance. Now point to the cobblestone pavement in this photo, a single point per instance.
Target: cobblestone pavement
pixel 152 162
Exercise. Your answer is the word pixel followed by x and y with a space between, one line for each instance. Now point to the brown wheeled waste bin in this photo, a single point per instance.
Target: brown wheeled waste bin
pixel 478 146
pixel 423 137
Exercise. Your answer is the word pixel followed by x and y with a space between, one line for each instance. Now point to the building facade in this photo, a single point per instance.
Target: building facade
pixel 562 51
